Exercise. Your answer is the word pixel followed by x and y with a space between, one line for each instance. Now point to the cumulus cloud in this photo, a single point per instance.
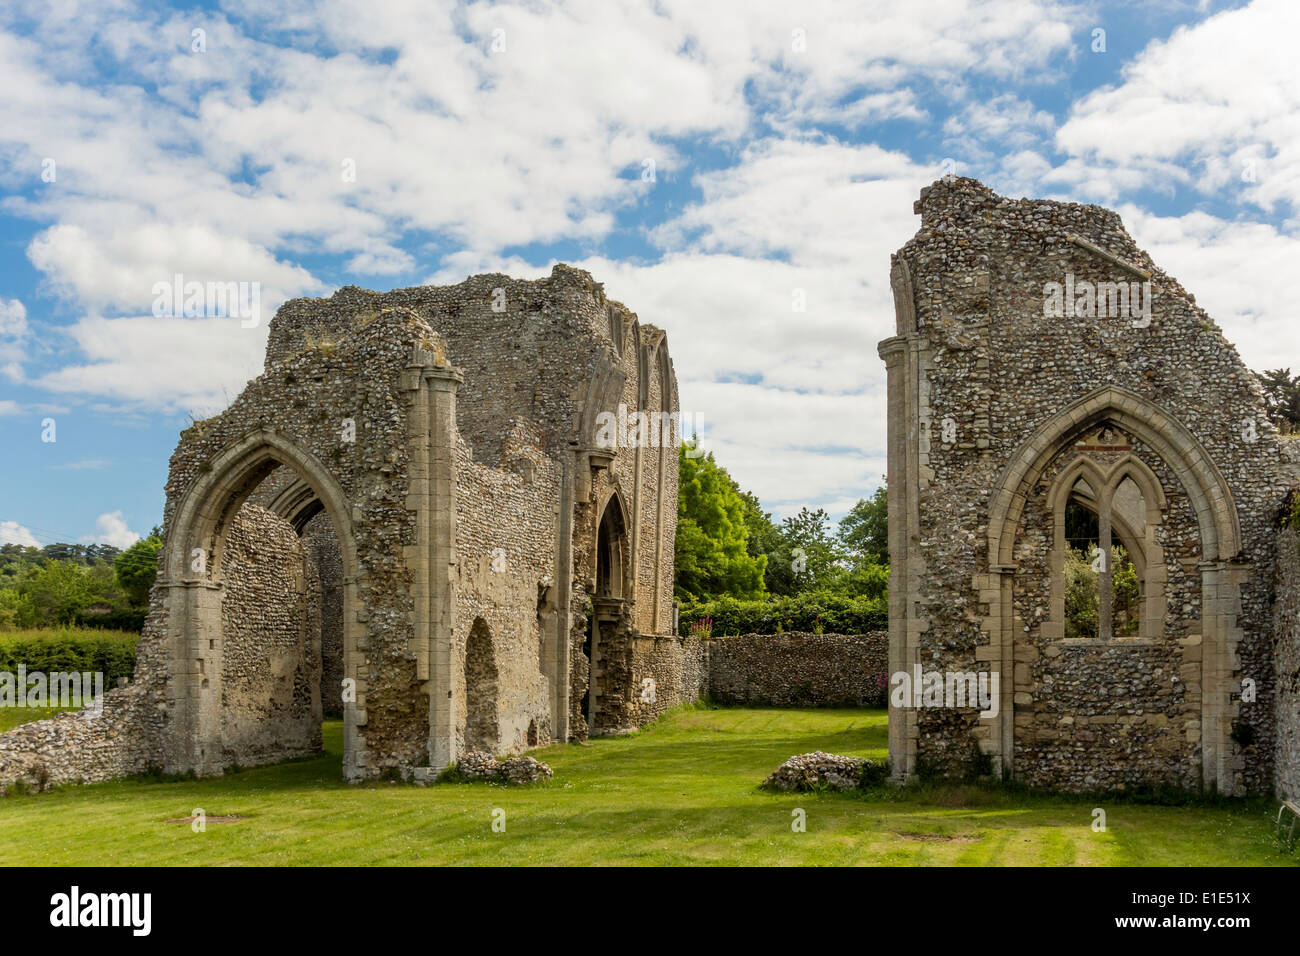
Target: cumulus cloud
pixel 1234 269
pixel 11 532
pixel 111 529
pixel 315 135
pixel 13 319
pixel 791 401
pixel 1216 105
pixel 170 363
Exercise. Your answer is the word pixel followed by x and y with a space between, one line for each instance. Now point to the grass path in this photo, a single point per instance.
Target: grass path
pixel 682 792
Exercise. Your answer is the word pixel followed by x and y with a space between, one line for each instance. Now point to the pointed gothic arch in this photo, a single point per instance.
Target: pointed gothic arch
pixel 1219 548
pixel 192 581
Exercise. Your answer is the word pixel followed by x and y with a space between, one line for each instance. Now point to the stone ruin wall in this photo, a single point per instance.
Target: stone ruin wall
pixel 351 369
pixel 1138 698
pixel 799 669
pixel 73 748
pixel 507 528
pixel 987 358
pixel 527 371
pixel 322 545
pixel 270 654
pixel 530 362
pixel 622 658
pixel 1286 667
pixel 667 672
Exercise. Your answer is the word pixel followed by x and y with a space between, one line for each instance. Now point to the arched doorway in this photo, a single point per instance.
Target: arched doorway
pixel 608 604
pixel 481 698
pixel 209 554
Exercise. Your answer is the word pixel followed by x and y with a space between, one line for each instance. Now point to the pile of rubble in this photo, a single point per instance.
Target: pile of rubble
pixel 820 771
pixel 477 765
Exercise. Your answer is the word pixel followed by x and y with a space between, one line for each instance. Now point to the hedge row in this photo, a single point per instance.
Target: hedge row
pixel 119 619
pixel 111 653
pixel 831 614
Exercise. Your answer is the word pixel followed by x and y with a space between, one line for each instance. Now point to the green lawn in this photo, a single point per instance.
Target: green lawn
pixel 682 792
pixel 11 717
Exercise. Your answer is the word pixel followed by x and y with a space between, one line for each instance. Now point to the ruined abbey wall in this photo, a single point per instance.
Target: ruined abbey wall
pixel 507 527
pixel 990 400
pixel 799 670
pixel 270 653
pixel 322 552
pixel 1286 666
pixel 399 521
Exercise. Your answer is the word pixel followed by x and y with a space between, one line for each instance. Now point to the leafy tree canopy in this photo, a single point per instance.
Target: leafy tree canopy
pixel 712 554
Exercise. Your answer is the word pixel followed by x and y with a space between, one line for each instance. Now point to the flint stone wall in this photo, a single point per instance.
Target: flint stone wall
pixel 322 546
pixel 450 435
pixel 270 655
pixel 1286 664
pixel 800 669
pixel 983 384
pixel 78 748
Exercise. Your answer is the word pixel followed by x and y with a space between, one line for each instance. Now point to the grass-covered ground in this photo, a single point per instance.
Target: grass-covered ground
pixel 11 717
pixel 682 792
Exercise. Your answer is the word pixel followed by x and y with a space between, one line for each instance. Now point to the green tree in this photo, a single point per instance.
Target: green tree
pixel 712 554
pixel 766 540
pixel 1282 397
pixel 54 594
pixel 864 531
pixel 814 553
pixel 137 566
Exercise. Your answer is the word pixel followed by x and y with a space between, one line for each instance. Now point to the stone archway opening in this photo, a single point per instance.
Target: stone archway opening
pixel 289 497
pixel 1104 560
pixel 1164 541
pixel 608 605
pixel 482 730
pixel 255 590
pixel 610 546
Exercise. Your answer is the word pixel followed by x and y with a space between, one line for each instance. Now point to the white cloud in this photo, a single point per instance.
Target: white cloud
pixel 13 337
pixel 241 149
pixel 175 364
pixel 1007 119
pixel 1238 272
pixel 118 269
pixel 13 319
pixel 111 529
pixel 11 532
pixel 228 165
pixel 792 402
pixel 1216 100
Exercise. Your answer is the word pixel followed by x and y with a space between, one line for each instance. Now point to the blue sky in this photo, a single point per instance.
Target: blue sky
pixel 787 141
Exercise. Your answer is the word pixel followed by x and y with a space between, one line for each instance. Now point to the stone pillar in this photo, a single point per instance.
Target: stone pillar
pixel 442 383
pixel 432 559
pixel 902 751
pixel 1105 586
pixel 1218 673
pixel 194 689
pixel 564 595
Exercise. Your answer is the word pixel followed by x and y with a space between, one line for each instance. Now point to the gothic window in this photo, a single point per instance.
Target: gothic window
pixel 1107 580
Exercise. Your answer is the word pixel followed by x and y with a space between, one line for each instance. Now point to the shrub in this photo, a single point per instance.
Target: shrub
pixel 111 653
pixel 833 614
